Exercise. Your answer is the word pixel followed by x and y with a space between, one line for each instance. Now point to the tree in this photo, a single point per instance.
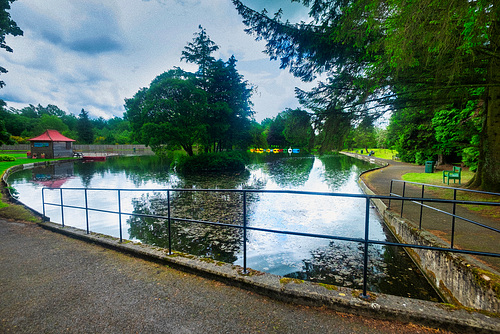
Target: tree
pixel 52 122
pixel 4 135
pixel 199 51
pixel 84 128
pixel 228 95
pixel 275 134
pixel 364 134
pixel 7 27
pixel 298 130
pixel 396 55
pixel 169 111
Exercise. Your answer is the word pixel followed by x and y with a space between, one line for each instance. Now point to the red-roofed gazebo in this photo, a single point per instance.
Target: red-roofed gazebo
pixel 51 144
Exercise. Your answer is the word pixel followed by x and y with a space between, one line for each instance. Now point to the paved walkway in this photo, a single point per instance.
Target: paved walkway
pixel 467 235
pixel 50 283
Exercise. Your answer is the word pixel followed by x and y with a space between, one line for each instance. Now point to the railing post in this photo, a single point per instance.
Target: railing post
pixel 390 194
pixel 244 232
pixel 453 218
pixel 421 208
pixel 43 203
pixel 120 215
pixel 169 222
pixel 365 256
pixel 62 208
pixel 403 201
pixel 87 211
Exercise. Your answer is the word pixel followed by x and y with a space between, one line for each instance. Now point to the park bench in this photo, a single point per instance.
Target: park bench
pixel 455 174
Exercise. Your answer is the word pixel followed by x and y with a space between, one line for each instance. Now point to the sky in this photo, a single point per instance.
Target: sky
pixel 93 54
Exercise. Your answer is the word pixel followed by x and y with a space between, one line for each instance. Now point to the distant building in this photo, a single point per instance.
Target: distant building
pixel 51 144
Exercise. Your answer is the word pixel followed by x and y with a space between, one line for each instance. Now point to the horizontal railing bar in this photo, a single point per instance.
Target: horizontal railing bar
pixel 454 215
pixel 445 187
pixel 443 249
pixel 313 235
pixel 295 192
pixel 217 224
pixel 397 197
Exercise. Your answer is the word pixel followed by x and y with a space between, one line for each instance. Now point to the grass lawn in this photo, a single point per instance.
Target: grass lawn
pixel 16 211
pixel 21 159
pixel 436 178
pixel 379 152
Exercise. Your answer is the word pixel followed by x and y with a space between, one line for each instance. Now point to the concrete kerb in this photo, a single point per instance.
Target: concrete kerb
pixel 341 299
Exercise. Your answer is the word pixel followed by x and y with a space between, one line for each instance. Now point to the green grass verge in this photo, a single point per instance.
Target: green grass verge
pixel 12 211
pixel 379 152
pixel 437 179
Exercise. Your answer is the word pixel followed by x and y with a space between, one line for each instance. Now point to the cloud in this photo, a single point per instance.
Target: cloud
pixel 85 27
pixel 93 54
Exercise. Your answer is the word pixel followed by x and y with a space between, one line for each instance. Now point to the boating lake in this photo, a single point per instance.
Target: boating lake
pixel 319 260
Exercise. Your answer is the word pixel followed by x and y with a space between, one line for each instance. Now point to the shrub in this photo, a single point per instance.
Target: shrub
pixel 470 157
pixel 7 158
pixel 212 162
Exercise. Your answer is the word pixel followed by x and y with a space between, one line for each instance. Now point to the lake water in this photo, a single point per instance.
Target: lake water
pixel 320 260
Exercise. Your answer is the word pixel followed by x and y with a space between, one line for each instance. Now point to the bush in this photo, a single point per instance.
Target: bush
pixel 212 162
pixel 7 158
pixel 470 157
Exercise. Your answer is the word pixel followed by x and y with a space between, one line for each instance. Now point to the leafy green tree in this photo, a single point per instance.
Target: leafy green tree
pixel 411 133
pixel 458 133
pixel 275 134
pixel 364 134
pixel 85 128
pixel 169 112
pixel 4 135
pixel 51 122
pixel 298 130
pixel 257 135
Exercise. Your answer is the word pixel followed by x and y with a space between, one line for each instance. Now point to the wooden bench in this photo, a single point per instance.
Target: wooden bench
pixel 455 174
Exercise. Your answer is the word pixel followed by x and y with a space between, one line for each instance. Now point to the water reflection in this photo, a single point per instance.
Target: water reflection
pixel 319 260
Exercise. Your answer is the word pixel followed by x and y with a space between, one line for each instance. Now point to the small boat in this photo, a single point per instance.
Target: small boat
pixel 95 158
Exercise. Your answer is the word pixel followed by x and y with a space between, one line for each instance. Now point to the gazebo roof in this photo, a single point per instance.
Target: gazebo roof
pixel 51 135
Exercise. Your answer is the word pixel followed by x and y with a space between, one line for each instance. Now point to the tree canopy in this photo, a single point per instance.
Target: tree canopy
pixel 380 55
pixel 211 107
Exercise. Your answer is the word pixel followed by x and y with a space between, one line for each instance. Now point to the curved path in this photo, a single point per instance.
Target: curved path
pixel 467 236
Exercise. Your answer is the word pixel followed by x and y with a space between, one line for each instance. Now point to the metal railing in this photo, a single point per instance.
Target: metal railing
pixel 365 241
pixel 453 212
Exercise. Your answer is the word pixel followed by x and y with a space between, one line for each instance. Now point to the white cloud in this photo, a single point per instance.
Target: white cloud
pixel 93 54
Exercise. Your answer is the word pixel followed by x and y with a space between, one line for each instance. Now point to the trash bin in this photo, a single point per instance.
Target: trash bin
pixel 429 166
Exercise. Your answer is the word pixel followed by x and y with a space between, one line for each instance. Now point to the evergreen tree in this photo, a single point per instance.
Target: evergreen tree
pixel 229 111
pixel 199 51
pixel 84 128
